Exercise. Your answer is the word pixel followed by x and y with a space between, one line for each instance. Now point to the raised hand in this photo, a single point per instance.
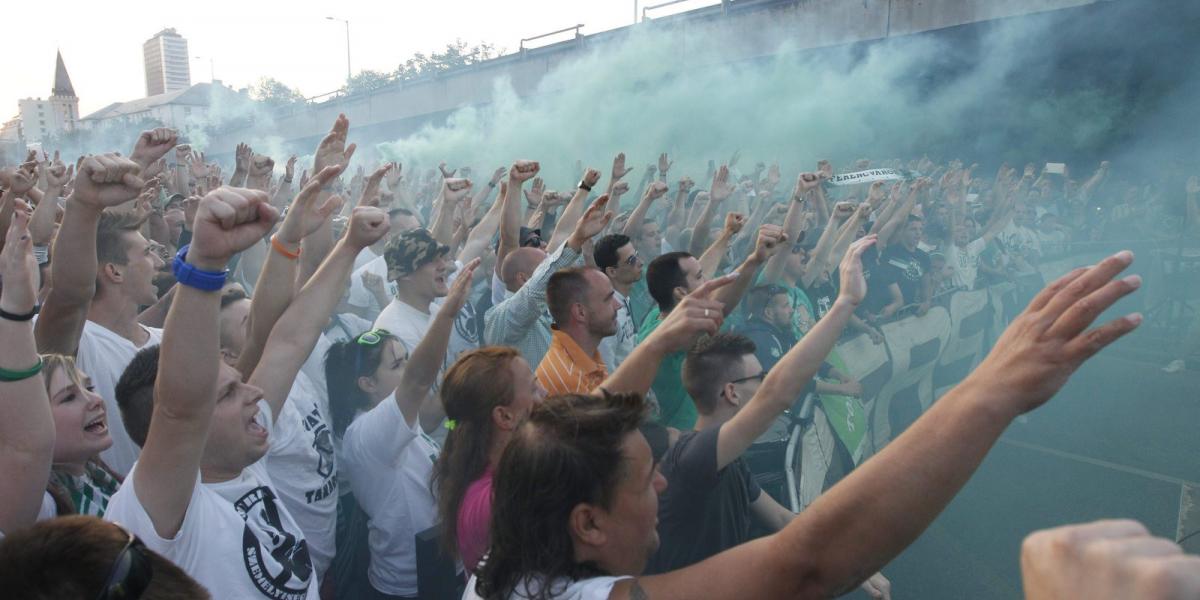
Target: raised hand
pixel 21 179
pixel 460 291
pixel 686 184
pixel 618 167
pixel 620 188
pixel 373 283
pixel 153 145
pixel 1049 340
pixel 58 176
pixel 17 264
pixel 853 281
pixel 497 175
pixel 771 239
pixel 305 215
pixel 370 195
pixel 523 170
pixel 446 174
pixel 367 226
pixel 805 182
pixel 824 169
pixel 107 180
pixel 664 165
pixel 241 158
pixel 593 221
pixel 289 170
pixel 875 193
pixel 734 222
pixel 394 176
pixel 183 152
pixel 1106 560
pixel 261 166
pixel 591 177
pixel 333 149
pixel 656 190
pixel 721 188
pixel 454 190
pixel 533 195
pixel 651 169
pixel 698 313
pixel 228 220
pixel 773 177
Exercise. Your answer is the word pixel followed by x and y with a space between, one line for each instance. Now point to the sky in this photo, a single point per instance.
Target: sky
pixel 101 42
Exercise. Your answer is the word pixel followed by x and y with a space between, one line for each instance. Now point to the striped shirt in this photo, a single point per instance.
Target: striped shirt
pixel 566 369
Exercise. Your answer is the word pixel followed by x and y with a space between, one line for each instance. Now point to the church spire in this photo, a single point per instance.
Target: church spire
pixel 62 81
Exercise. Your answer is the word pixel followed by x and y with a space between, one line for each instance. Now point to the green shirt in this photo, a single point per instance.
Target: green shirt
pixel 675 407
pixel 640 302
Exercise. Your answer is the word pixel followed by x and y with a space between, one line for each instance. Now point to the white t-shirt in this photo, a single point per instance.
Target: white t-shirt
pixel 965 262
pixel 237 538
pixel 303 466
pixel 411 325
pixel 359 295
pixel 389 464
pixel 103 355
pixel 596 588
pixel 615 348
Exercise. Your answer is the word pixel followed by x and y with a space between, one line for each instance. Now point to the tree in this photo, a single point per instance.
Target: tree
pixel 272 91
pixel 366 81
pixel 457 54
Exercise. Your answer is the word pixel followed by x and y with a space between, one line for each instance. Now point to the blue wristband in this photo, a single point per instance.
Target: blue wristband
pixel 190 276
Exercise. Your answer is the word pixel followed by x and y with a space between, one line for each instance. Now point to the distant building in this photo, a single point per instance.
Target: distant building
pixel 41 119
pixel 172 109
pixel 167 67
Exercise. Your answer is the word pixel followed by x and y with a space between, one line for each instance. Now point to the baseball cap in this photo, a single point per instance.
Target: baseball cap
pixel 412 250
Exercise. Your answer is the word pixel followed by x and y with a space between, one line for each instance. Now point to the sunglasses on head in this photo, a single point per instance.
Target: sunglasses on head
pixel 130 573
pixel 367 339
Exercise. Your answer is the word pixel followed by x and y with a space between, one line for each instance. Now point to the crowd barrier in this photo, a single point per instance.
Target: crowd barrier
pixel 920 359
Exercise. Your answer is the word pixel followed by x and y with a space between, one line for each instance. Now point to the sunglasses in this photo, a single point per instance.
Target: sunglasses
pixel 130 573
pixel 532 241
pixel 367 339
pixel 759 376
pixel 372 337
pixel 632 260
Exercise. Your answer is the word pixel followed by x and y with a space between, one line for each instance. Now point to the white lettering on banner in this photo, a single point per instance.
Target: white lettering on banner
pixel 871 175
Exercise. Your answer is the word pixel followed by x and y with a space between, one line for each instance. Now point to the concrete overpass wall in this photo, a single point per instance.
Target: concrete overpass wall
pixel 749 29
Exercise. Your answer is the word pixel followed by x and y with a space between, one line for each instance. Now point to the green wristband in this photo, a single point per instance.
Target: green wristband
pixel 6 375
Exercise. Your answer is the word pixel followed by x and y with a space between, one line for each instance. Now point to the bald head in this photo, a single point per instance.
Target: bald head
pixel 519 266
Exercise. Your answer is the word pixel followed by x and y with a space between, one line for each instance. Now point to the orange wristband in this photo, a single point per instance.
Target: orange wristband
pixel 280 248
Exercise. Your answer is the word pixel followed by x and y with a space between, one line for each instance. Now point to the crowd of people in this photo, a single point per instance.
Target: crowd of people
pixel 254 385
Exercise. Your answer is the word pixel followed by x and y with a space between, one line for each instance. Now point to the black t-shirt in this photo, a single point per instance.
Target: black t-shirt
pixel 703 511
pixel 906 269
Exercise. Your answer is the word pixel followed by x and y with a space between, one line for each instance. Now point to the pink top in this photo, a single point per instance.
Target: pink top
pixel 474 520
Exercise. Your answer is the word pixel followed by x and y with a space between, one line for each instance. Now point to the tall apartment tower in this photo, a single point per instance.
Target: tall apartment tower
pixel 167 68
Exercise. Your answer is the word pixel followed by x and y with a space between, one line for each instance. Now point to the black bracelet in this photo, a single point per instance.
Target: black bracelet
pixel 4 314
pixel 584 186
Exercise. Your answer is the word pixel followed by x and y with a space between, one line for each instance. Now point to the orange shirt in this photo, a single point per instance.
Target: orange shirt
pixel 567 370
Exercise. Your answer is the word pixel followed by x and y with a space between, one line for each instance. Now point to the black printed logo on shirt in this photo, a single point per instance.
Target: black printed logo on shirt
pixel 323 444
pixel 276 559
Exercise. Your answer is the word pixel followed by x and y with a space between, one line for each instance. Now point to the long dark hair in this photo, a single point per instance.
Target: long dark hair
pixel 568 452
pixel 478 382
pixel 345 362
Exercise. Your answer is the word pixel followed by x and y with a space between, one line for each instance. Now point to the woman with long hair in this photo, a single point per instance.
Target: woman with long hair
pixel 486 394
pixel 80 483
pixel 376 390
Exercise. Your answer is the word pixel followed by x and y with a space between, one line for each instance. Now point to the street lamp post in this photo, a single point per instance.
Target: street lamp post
pixel 347 44
pixel 211 71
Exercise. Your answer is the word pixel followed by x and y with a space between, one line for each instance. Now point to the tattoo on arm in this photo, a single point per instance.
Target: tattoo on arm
pixel 637 593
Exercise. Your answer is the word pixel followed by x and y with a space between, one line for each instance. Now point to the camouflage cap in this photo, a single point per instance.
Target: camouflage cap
pixel 412 250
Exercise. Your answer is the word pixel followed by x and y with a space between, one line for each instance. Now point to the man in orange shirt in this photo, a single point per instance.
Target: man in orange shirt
pixel 584 309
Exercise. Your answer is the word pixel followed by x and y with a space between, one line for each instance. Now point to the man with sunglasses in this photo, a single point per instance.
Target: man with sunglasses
pixel 617 257
pixel 711 495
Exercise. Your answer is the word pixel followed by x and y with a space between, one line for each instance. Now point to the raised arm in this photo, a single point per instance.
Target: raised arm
pixel 425 361
pixel 152 145
pixel 510 218
pixel 453 192
pixel 770 240
pixel 788 377
pixel 574 209
pixel 104 180
pixel 720 191
pixel 26 425
pixel 711 259
pixel 677 216
pixel 793 223
pixel 41 228
pixel 874 513
pixel 277 280
pixel 228 221
pixel 633 227
pixel 619 171
pixel 900 216
pixel 331 151
pixel 481 235
pixel 292 339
